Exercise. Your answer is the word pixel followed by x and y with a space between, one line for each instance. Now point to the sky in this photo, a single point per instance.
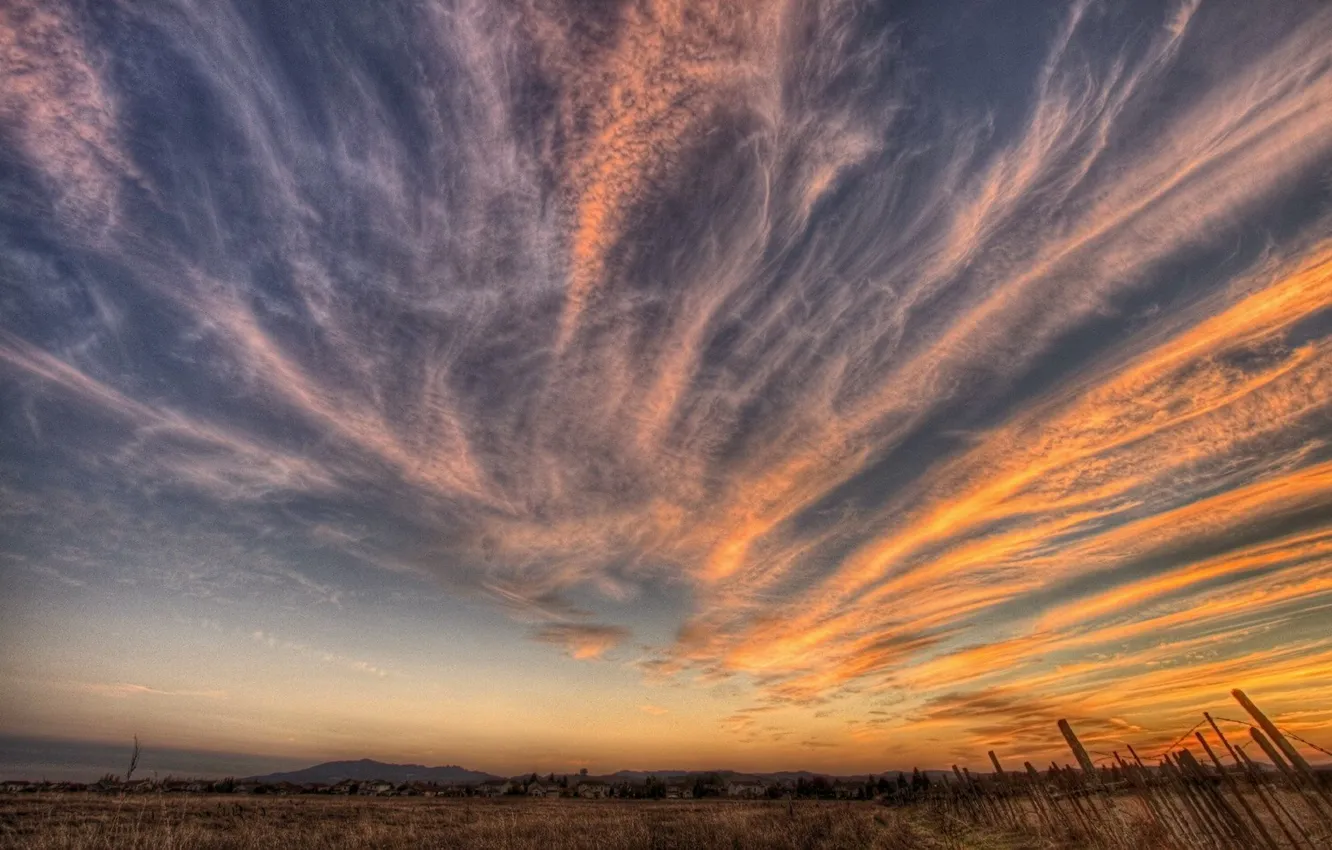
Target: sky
pixel 546 384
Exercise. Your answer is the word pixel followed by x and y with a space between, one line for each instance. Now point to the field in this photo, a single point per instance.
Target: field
pixel 223 822
pixel 305 823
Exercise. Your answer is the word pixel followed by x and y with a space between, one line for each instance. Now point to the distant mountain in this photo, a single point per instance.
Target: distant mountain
pixel 779 775
pixel 724 774
pixel 366 769
pixel 640 775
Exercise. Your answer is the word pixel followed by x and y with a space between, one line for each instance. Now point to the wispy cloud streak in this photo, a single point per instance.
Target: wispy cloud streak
pixel 908 380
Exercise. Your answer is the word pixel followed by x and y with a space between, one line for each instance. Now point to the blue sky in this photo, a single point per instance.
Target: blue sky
pixel 795 383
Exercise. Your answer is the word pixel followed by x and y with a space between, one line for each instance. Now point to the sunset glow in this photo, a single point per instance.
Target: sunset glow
pixel 663 384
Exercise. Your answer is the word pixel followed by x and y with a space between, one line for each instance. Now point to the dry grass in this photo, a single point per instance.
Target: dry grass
pixel 45 821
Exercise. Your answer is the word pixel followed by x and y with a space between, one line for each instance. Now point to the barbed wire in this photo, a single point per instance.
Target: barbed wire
pixel 1178 740
pixel 1280 729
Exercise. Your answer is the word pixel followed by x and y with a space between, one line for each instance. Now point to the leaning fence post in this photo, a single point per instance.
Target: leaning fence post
pixel 1042 793
pixel 1021 786
pixel 1225 814
pixel 1177 812
pixel 1106 811
pixel 971 807
pixel 1144 794
pixel 1301 766
pixel 1289 773
pixel 1080 753
pixel 1209 810
pixel 1236 790
pixel 1077 791
pixel 1062 782
pixel 1015 809
pixel 1196 813
pixel 987 803
pixel 1269 797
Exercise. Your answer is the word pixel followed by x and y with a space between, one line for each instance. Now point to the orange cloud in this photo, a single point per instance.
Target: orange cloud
pixel 633 99
pixel 768 424
pixel 582 641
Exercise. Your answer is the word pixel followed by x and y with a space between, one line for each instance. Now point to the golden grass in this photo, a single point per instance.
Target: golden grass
pixel 86 821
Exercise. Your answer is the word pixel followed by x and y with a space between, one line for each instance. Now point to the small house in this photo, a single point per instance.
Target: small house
pixel 679 791
pixel 745 788
pixel 593 789
pixel 493 788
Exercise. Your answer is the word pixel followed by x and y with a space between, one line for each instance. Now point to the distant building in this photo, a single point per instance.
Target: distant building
pixel 848 790
pixel 593 789
pixel 493 788
pixel 747 788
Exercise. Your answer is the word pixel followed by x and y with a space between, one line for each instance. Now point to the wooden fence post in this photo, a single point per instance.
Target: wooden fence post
pixel 1064 784
pixel 1273 801
pixel 1301 766
pixel 1237 791
pixel 1080 753
pixel 1215 817
pixel 1291 776
pixel 1225 815
pixel 1144 793
pixel 1196 812
pixel 968 795
pixel 988 804
pixel 1041 792
pixel 1105 812
pixel 1014 805
pixel 1179 814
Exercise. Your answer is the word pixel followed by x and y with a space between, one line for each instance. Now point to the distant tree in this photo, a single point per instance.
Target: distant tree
pixel 134 759
pixel 919 781
pixel 582 772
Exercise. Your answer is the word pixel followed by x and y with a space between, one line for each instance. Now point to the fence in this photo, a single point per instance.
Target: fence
pixel 1220 798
